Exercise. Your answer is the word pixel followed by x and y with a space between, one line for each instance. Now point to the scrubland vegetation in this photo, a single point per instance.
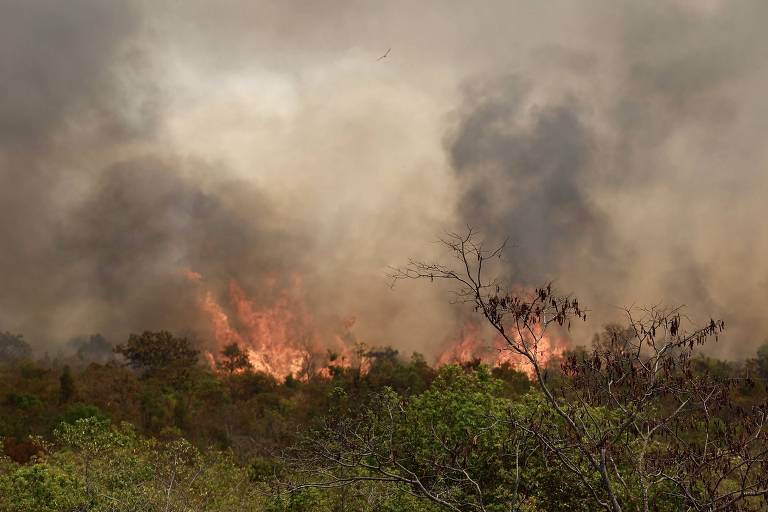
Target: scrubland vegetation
pixel 640 420
pixel 402 436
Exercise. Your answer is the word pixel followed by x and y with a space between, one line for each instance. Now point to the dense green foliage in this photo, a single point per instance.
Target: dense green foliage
pixel 105 437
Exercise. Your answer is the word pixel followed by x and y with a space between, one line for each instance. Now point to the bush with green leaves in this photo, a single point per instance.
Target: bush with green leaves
pixel 102 467
pixel 456 446
pixel 41 487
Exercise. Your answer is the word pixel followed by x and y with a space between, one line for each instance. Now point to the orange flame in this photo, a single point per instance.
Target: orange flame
pixel 280 338
pixel 472 346
pixel 192 275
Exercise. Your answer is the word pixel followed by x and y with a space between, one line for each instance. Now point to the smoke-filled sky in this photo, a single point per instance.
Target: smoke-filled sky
pixel 619 144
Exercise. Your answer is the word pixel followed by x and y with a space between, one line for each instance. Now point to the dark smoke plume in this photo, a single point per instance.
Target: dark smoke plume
pixel 625 197
pixel 619 146
pixel 525 174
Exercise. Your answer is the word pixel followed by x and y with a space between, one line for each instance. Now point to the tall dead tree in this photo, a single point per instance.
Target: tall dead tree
pixel 635 414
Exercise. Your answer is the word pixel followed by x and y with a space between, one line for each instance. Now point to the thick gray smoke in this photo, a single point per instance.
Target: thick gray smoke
pixel 636 193
pixel 619 146
pixel 525 176
pixel 54 66
pixel 96 235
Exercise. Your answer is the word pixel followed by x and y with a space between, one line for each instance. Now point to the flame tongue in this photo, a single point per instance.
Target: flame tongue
pixel 282 338
pixel 279 338
pixel 467 347
pixel 471 346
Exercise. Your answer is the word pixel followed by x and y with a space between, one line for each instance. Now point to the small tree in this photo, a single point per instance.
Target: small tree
pixel 158 352
pixel 66 385
pixel 234 359
pixel 762 361
pixel 96 348
pixel 13 347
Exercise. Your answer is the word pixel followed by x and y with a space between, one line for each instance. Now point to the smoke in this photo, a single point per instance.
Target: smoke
pixel 97 221
pixel 636 193
pixel 54 66
pixel 524 174
pixel 618 146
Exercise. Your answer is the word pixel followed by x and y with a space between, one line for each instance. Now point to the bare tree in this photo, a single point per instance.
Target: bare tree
pixel 632 421
pixel 636 415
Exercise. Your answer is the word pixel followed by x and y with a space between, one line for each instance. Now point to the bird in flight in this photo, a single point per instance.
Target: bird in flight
pixel 385 55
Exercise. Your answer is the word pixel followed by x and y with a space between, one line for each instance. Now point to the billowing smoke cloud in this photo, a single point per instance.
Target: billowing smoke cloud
pixel 619 147
pixel 54 66
pixel 525 175
pixel 98 223
pixel 629 195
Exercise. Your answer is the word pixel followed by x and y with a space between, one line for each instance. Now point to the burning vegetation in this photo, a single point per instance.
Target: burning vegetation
pixel 282 338
pixel 639 420
pixel 471 346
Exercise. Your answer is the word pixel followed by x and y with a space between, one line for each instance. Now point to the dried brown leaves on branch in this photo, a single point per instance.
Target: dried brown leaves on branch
pixel 632 421
pixel 520 316
pixel 637 404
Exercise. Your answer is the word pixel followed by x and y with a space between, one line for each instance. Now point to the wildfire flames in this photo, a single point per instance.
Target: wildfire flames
pixel 471 346
pixel 282 338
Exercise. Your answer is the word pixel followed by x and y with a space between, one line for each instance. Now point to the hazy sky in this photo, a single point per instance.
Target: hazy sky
pixel 620 145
